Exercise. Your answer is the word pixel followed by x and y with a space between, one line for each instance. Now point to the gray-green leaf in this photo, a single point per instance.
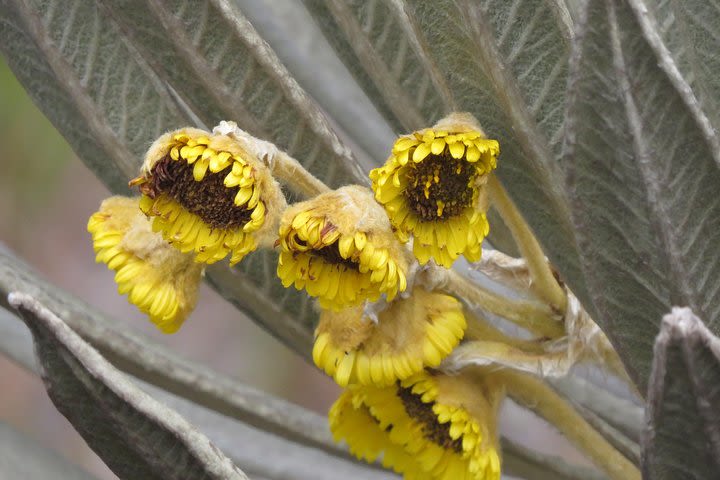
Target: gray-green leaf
pixel 643 179
pixel 301 46
pixel 690 29
pixel 135 435
pixel 682 436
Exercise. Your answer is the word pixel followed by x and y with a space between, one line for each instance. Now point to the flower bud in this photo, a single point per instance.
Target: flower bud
pixel 340 248
pixel 161 281
pixel 208 195
pixel 432 188
pixel 407 336
pixel 431 425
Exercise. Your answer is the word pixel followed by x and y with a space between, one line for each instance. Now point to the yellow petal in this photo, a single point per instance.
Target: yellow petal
pixel 360 240
pixel 403 144
pixel 342 375
pixel 231 180
pixel 243 196
pixel 403 157
pixel 457 150
pixel 422 151
pixel 199 170
pixel 473 154
pixel 437 146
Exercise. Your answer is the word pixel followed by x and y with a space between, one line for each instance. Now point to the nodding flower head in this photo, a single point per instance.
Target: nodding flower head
pixel 407 336
pixel 340 248
pixel 208 195
pixel 432 187
pixel 161 281
pixel 431 425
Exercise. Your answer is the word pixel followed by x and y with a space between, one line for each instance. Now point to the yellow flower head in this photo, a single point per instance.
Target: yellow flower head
pixel 208 195
pixel 410 334
pixel 350 420
pixel 432 189
pixel 429 426
pixel 340 248
pixel 161 281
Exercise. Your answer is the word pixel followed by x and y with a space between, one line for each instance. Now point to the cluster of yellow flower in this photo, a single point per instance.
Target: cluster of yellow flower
pixel 208 196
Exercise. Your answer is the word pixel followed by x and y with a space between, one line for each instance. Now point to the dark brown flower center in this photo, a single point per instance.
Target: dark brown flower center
pixel 421 412
pixel 440 186
pixel 331 254
pixel 209 199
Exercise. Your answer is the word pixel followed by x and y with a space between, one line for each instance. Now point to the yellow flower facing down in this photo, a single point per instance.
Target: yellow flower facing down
pixel 208 195
pixel 340 248
pixel 350 420
pixel 432 186
pixel 410 334
pixel 429 426
pixel 161 281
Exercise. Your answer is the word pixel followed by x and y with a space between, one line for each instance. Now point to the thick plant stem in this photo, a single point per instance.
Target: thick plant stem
pixel 533 316
pixel 544 282
pixel 291 173
pixel 479 328
pixel 543 400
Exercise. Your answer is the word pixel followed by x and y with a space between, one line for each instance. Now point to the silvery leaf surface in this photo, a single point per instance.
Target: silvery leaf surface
pixel 682 432
pixel 643 177
pixel 689 30
pixel 213 58
pixel 113 76
pixel 503 61
pixel 374 40
pixel 135 435
pixel 292 33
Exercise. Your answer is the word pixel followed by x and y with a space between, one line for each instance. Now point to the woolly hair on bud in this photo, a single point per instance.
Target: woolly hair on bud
pixel 433 189
pixel 208 195
pixel 409 335
pixel 340 248
pixel 161 281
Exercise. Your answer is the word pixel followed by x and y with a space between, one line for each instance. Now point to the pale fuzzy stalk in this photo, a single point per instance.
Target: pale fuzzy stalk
pixel 282 166
pixel 290 172
pixel 544 282
pixel 498 354
pixel 533 316
pixel 543 400
pixel 484 344
pixel 514 273
pixel 479 328
pixel 509 271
